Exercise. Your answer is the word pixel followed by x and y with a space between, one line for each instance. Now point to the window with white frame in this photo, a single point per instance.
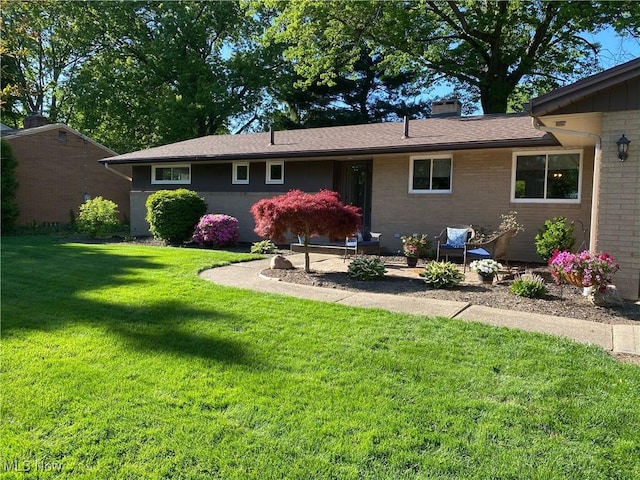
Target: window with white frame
pixel 241 173
pixel 168 174
pixel 275 172
pixel 547 177
pixel 430 174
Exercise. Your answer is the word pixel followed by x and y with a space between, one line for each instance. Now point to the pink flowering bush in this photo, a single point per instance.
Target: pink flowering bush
pixel 216 230
pixel 595 270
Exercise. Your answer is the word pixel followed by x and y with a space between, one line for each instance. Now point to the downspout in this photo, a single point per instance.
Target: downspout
pixel 120 174
pixel 597 159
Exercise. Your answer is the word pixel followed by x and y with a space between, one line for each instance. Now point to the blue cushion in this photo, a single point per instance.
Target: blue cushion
pixel 478 253
pixel 457 237
pixel 366 236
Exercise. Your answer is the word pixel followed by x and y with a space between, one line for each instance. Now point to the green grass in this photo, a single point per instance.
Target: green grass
pixel 119 362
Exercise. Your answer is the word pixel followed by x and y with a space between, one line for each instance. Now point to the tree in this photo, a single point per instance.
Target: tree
pixel 170 71
pixel 42 45
pixel 305 215
pixel 489 48
pixel 8 187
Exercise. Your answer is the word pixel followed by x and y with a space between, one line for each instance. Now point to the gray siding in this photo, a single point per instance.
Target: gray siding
pixel 217 177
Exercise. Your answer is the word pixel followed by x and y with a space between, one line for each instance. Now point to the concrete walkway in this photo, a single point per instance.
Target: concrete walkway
pixel 615 338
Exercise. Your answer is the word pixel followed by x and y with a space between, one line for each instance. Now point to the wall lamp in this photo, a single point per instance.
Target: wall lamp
pixel 623 148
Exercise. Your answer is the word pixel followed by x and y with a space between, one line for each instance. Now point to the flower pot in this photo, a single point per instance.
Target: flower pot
pixel 573 279
pixel 412 261
pixel 486 279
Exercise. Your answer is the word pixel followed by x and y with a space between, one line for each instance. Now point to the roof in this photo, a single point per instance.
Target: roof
pixel 24 132
pixel 575 92
pixel 433 134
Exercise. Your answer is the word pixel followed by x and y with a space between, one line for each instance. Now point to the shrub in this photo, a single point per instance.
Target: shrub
pixel 442 274
pixel 173 214
pixel 529 285
pixel 554 235
pixel 264 247
pixel 216 230
pixel 364 268
pixel 98 217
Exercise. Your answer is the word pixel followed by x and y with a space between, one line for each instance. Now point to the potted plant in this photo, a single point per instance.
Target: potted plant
pixel 486 269
pixel 411 252
pixel 584 269
pixel 414 247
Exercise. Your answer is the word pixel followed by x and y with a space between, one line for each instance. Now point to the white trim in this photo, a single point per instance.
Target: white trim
pixel 274 181
pixel 430 191
pixel 235 179
pixel 170 182
pixel 546 153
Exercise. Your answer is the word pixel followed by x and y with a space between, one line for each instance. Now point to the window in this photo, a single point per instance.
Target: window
pixel 275 172
pixel 547 177
pixel 171 174
pixel 240 173
pixel 430 175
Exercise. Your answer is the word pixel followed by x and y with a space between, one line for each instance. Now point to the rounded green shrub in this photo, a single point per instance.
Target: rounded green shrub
pixel 173 214
pixel 366 268
pixel 442 274
pixel 263 247
pixel 98 217
pixel 529 285
pixel 556 234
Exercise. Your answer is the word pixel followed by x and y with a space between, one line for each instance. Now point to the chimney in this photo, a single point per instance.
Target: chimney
pixel 34 119
pixel 446 108
pixel 271 136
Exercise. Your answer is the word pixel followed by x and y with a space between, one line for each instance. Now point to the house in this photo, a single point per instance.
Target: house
pixel 57 170
pixel 421 175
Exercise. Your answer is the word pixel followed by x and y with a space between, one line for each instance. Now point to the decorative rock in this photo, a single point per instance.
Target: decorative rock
pixel 280 263
pixel 609 298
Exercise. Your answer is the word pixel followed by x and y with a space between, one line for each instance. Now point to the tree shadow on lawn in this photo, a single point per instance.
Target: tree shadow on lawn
pixel 44 290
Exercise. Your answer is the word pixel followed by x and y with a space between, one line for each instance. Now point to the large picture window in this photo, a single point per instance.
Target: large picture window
pixel 168 174
pixel 430 175
pixel 547 177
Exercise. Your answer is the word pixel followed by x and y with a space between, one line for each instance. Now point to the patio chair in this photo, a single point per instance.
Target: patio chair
pixel 496 247
pixel 454 240
pixel 362 242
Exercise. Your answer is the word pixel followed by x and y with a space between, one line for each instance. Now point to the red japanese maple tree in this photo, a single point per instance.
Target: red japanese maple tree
pixel 305 215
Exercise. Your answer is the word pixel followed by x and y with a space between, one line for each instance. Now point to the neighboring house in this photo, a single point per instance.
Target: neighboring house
pixel 422 175
pixel 57 170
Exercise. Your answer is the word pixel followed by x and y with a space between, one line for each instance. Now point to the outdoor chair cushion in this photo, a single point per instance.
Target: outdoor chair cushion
pixel 456 237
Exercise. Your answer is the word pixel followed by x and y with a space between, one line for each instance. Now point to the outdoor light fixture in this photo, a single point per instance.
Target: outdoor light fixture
pixel 623 148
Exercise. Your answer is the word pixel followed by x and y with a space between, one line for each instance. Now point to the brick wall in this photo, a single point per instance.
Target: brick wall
pixel 481 192
pixel 619 209
pixel 54 171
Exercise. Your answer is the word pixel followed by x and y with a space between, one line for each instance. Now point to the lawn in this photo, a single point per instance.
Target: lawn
pixel 118 361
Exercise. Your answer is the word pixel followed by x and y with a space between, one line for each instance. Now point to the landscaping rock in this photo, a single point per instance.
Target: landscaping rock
pixel 280 263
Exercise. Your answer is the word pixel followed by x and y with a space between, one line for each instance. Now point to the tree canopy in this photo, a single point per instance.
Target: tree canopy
pixel 142 73
pixel 492 49
pixel 305 215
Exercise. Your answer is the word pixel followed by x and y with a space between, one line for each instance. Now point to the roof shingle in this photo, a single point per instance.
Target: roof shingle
pixel 433 134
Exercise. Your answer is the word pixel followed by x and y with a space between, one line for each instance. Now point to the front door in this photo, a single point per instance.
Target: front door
pixel 354 186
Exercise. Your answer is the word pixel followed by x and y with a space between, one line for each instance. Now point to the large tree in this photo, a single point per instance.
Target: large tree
pixel 493 49
pixel 42 44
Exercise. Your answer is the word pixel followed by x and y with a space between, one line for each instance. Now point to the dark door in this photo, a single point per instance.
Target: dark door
pixel 354 186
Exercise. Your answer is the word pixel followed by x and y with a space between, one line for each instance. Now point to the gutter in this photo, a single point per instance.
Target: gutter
pixel 120 174
pixel 597 159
